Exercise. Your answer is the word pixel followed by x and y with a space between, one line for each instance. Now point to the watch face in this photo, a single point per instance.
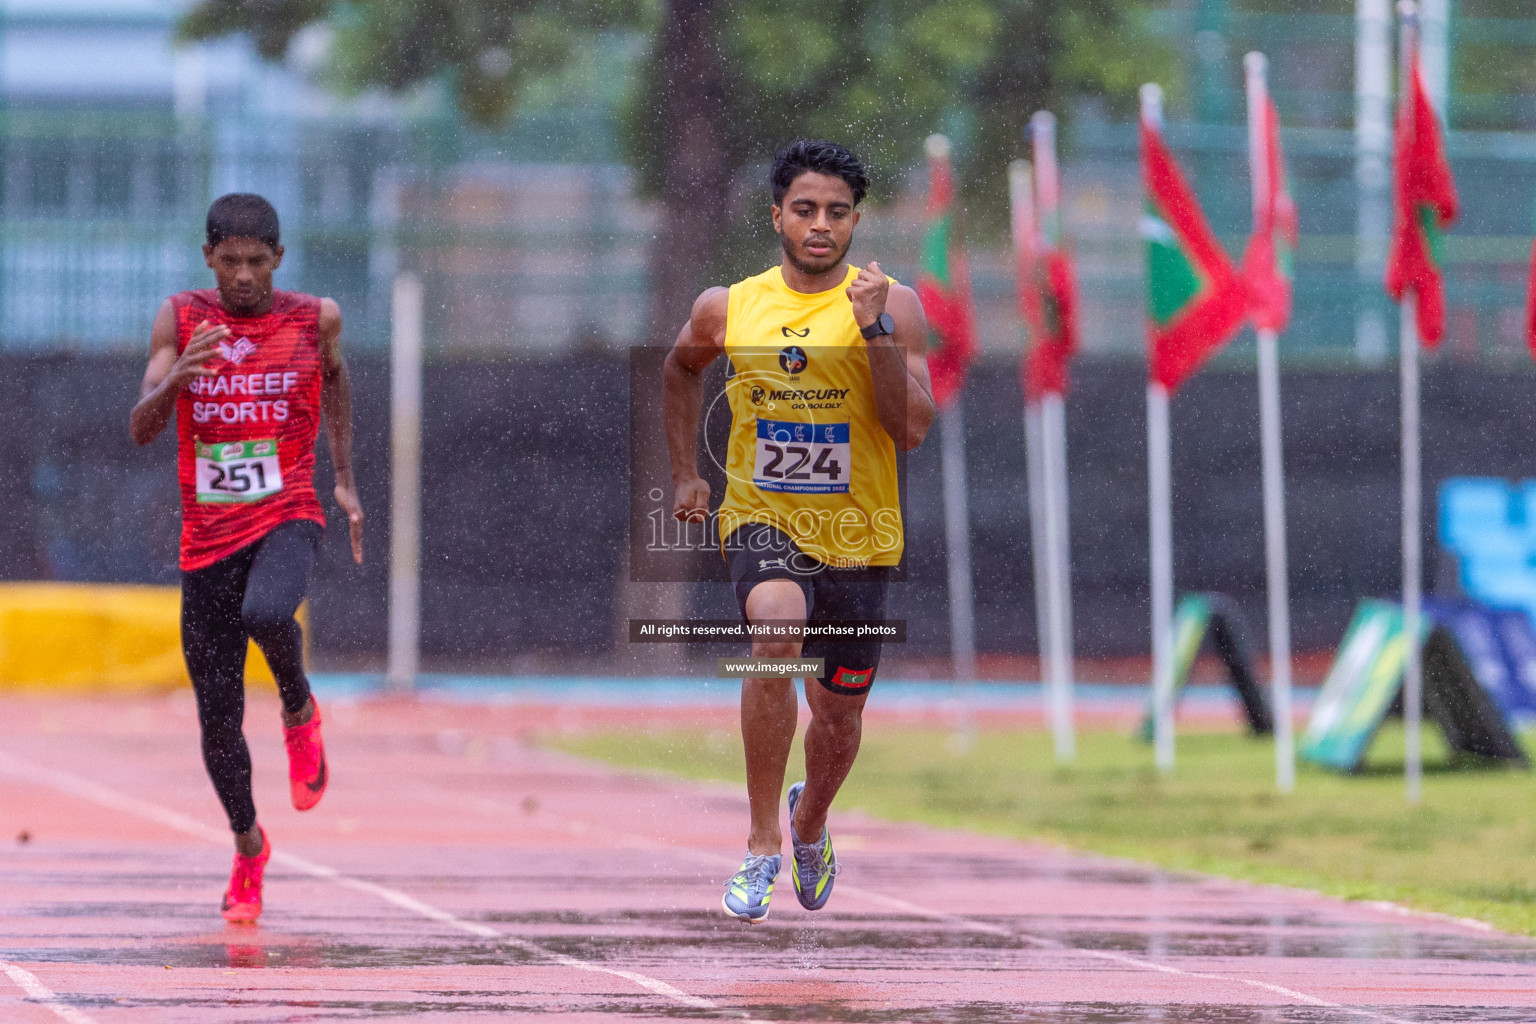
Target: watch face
pixel 884 324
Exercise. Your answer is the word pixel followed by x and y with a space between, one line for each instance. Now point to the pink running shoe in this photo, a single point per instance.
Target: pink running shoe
pixel 242 901
pixel 306 762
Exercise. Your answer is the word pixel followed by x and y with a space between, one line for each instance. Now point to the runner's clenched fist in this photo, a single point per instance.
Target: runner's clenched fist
pixel 867 293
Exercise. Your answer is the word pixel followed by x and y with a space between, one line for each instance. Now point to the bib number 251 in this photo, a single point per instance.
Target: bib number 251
pixel 239 471
pixel 804 458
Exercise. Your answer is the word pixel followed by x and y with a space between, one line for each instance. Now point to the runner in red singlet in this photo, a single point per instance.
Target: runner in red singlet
pixel 248 373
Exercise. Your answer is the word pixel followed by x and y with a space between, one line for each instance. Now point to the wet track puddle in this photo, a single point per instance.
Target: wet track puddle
pixel 460 901
pixel 250 973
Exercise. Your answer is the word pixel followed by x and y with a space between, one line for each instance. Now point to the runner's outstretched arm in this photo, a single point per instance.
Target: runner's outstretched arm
pixel 168 372
pixel 698 344
pixel 336 408
pixel 903 395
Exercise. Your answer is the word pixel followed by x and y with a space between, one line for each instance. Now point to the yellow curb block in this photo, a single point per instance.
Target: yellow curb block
pixel 99 638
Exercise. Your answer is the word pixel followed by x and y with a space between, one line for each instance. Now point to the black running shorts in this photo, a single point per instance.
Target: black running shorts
pixel 758 552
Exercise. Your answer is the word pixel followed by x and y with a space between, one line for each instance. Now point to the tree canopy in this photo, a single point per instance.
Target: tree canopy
pixel 880 75
pixel 724 83
pixel 485 51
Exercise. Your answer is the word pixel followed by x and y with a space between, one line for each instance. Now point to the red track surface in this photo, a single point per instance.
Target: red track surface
pixel 452 870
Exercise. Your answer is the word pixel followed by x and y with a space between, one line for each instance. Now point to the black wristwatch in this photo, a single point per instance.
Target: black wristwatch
pixel 883 325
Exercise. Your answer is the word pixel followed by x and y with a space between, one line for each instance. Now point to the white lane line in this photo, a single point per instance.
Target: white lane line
pixel 179 822
pixel 1127 959
pixel 42 994
pixel 577 827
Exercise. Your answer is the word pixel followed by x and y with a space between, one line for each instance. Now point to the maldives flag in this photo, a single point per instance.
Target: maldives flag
pixel 1046 290
pixel 1196 300
pixel 1268 262
pixel 943 284
pixel 1053 334
pixel 1424 204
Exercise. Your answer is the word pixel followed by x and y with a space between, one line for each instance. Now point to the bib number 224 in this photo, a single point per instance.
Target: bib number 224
pixel 803 458
pixel 240 471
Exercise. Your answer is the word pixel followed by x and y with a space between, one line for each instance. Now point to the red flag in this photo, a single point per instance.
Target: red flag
pixel 1271 249
pixel 943 282
pixel 1424 204
pixel 1530 305
pixel 1054 342
pixel 1044 280
pixel 1196 300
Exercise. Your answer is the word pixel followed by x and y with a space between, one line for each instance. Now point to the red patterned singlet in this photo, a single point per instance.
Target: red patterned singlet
pixel 245 439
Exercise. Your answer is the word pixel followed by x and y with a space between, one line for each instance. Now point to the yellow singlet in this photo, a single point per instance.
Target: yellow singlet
pixel 807 452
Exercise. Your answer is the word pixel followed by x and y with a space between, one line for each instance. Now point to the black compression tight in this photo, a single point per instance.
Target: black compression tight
pixel 251 593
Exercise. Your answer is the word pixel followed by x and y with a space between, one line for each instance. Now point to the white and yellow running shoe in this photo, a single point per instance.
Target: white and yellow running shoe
pixel 815 863
pixel 749 890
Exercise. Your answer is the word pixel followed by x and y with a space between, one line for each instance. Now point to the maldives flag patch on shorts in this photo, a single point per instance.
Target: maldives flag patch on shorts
pixel 853 679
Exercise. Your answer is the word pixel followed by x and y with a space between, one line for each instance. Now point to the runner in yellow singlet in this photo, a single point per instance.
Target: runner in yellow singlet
pixel 828 382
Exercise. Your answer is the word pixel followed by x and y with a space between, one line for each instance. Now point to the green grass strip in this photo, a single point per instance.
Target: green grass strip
pixel 1468 850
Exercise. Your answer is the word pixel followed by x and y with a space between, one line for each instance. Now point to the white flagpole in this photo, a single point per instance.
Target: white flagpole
pixel 1274 474
pixel 1373 147
pixel 1053 438
pixel 1434 29
pixel 1160 522
pixel 1033 467
pixel 1053 472
pixel 957 533
pixel 1276 562
pixel 957 537
pixel 405 484
pixel 1021 198
pixel 1413 674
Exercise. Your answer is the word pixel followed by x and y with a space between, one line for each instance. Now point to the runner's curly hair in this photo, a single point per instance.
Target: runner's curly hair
pixel 820 156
